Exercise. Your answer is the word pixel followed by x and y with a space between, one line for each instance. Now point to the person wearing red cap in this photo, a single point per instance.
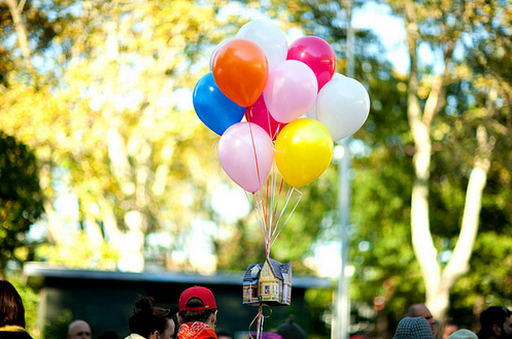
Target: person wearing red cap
pixel 197 314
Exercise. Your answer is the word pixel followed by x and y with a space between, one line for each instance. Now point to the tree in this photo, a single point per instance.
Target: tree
pixel 423 110
pixel 449 142
pixel 20 200
pixel 121 145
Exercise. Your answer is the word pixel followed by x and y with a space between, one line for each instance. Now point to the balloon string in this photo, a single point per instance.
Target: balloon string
pixel 255 154
pixel 215 144
pixel 267 208
pixel 280 190
pixel 268 203
pixel 289 195
pixel 260 320
pixel 269 125
pixel 258 209
pixel 269 223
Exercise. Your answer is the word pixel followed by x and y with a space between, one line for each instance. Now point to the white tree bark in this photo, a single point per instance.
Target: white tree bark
pixel 16 9
pixel 438 282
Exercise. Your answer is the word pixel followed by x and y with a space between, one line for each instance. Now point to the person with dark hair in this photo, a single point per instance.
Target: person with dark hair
pixel 197 314
pixel 12 313
pixel 496 323
pixel 150 322
pixel 290 330
pixel 79 329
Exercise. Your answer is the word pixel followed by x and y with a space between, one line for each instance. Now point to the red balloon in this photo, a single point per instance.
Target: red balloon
pixel 259 114
pixel 240 70
pixel 317 54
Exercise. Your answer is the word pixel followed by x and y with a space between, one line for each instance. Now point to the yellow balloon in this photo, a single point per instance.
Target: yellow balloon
pixel 303 151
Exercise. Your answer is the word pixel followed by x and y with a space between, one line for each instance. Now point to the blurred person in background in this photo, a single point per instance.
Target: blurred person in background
pixel 496 323
pixel 12 313
pixel 421 311
pixel 151 322
pixel 197 314
pixel 79 329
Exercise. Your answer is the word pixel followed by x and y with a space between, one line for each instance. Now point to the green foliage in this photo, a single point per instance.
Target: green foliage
pixel 80 252
pixel 20 199
pixel 30 303
pixel 59 328
pixel 319 303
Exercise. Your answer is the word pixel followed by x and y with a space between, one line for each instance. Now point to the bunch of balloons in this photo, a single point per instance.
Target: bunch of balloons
pixel 293 101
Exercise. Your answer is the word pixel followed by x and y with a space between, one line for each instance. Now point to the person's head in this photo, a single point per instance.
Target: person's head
pixel 449 327
pixel 413 328
pixel 79 329
pixel 495 322
pixel 421 311
pixel 463 334
pixel 290 330
pixel 197 304
pixel 12 311
pixel 150 321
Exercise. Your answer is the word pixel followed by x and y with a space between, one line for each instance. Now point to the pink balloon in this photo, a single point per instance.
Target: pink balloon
pixel 246 155
pixel 290 91
pixel 259 114
pixel 317 54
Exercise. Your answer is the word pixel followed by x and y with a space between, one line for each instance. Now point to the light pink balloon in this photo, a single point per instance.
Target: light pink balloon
pixel 290 91
pixel 246 155
pixel 317 54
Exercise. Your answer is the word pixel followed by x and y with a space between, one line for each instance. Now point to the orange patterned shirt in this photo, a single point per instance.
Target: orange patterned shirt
pixel 196 330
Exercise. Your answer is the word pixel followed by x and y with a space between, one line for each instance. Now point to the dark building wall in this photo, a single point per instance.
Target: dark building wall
pixel 106 299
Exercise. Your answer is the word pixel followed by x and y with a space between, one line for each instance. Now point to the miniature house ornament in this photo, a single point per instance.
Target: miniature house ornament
pixel 269 283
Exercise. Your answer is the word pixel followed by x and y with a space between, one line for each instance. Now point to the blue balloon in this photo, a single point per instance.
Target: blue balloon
pixel 213 107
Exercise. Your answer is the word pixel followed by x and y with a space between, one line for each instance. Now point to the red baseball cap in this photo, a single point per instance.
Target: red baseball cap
pixel 200 292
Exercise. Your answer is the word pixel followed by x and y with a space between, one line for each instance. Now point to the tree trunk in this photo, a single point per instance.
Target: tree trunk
pixel 439 282
pixel 422 242
pixel 16 9
pixel 459 262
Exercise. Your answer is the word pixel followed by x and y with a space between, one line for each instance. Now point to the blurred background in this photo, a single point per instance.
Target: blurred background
pixel 104 165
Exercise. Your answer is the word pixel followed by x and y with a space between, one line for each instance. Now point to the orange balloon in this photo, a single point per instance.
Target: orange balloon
pixel 240 70
pixel 303 151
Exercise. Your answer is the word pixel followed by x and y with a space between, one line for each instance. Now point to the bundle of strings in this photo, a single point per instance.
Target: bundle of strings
pixel 271 215
pixel 260 320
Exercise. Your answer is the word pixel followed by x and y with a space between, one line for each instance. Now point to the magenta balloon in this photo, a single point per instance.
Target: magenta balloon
pixel 317 54
pixel 246 155
pixel 259 114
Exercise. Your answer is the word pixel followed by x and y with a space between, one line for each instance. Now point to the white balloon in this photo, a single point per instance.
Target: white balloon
pixel 342 106
pixel 311 112
pixel 268 36
pixel 338 76
pixel 216 49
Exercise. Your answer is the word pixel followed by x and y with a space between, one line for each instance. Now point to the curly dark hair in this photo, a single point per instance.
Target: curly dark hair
pixel 147 318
